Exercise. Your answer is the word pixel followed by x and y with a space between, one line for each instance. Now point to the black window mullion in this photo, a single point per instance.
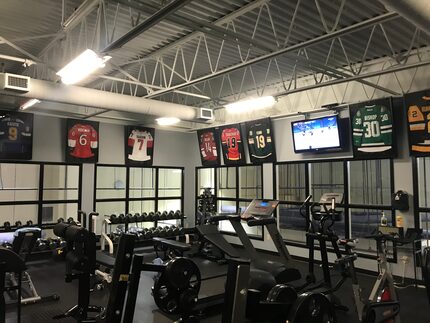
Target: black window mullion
pixel 157 187
pixel 40 202
pixel 346 199
pixel 79 188
pixel 415 192
pixel 127 189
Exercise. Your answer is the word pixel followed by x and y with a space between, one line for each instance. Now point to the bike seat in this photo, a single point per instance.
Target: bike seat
pixel 352 243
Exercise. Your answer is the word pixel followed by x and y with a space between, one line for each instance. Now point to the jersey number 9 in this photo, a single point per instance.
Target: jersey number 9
pixel 13 133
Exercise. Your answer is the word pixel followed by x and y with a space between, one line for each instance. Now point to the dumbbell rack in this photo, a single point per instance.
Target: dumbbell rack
pixel 126 220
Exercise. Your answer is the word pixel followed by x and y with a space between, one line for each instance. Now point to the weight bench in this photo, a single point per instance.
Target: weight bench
pixel 170 248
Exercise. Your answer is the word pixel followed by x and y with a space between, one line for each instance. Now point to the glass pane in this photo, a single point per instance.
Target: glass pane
pixel 370 182
pixel 61 182
pixel 292 182
pixel 252 231
pixel 226 207
pixel 169 205
pixel 110 182
pixel 205 179
pixel 141 206
pixel 292 225
pixel 52 212
pixel 169 182
pixel 226 182
pixel 142 182
pixel 425 225
pixel 108 208
pixel 13 213
pixel 326 177
pixel 424 181
pixel 19 182
pixel 366 221
pixel 250 186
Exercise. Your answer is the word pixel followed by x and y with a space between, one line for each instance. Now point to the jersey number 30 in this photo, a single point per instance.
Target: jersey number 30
pixel 371 129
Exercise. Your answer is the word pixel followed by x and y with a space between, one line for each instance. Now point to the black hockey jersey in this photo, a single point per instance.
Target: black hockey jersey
pixel 419 125
pixel 15 135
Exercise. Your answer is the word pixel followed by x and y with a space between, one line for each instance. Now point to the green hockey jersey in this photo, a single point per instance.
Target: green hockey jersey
pixel 372 129
pixel 260 141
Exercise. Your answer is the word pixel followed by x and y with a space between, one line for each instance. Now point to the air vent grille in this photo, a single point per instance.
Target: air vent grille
pixel 17 81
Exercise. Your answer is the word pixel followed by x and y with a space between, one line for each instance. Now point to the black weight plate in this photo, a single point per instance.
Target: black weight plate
pixel 312 308
pixel 183 273
pixel 167 299
pixel 282 293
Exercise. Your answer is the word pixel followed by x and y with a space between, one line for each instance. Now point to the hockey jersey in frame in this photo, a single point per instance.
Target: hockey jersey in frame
pixel 232 145
pixel 208 147
pixel 418 116
pixel 372 129
pixel 16 135
pixel 260 139
pixel 139 143
pixel 82 141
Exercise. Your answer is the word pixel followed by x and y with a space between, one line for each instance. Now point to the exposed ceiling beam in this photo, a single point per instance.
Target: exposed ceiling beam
pixel 328 36
pixel 151 21
pixel 356 77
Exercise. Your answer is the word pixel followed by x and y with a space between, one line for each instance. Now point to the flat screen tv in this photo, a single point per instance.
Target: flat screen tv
pixel 316 134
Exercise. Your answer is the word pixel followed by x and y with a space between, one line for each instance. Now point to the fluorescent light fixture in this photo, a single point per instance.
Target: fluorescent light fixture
pixel 82 66
pixel 167 121
pixel 29 103
pixel 251 104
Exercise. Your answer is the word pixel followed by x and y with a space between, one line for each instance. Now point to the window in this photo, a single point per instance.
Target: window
pixel 130 190
pixel 38 192
pixel 370 194
pixel 423 187
pixel 235 188
pixel 367 193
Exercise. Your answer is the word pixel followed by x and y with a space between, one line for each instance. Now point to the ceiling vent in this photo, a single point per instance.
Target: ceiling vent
pixel 205 114
pixel 16 83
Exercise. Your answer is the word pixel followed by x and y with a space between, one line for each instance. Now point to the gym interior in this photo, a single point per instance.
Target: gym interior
pixel 215 161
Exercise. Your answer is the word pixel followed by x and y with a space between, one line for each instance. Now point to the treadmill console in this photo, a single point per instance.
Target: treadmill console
pixel 260 209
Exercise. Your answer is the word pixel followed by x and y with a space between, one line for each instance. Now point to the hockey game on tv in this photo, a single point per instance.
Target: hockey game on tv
pixel 316 134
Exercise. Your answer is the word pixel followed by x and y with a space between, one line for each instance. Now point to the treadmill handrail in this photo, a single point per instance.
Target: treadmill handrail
pixel 223 217
pixel 255 222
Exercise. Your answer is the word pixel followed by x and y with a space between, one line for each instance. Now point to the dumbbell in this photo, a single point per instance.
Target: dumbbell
pixel 164 215
pixel 155 232
pixel 156 216
pixel 121 218
pixel 53 243
pixel 169 231
pixel 29 223
pixel 60 220
pixel 171 215
pixel 128 218
pixel 6 226
pixel 181 231
pixel 42 244
pixel 151 216
pixel 138 217
pixel 113 219
pixel 178 214
pixel 147 234
pixel 175 230
pixel 71 220
pixel 18 224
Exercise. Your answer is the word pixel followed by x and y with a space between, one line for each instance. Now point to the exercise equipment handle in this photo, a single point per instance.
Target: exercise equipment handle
pixel 218 218
pixel 256 222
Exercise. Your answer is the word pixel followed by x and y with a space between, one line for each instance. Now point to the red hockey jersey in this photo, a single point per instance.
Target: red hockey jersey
pixel 230 137
pixel 82 138
pixel 208 147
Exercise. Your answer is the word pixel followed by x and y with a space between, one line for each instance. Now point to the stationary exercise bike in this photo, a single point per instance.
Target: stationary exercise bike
pixel 382 305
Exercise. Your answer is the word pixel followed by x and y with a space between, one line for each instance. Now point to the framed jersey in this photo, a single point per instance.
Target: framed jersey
pixel 372 129
pixel 232 145
pixel 208 146
pixel 260 139
pixel 82 141
pixel 418 110
pixel 16 135
pixel 139 145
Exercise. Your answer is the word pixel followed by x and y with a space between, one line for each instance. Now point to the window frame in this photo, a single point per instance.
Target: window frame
pixel 416 199
pixel 345 205
pixel 236 199
pixel 40 202
pixel 127 199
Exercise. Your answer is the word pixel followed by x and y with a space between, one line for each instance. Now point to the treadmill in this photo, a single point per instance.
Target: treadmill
pixel 260 213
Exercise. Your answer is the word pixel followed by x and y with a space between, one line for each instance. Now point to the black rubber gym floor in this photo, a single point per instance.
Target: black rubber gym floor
pixel 49 278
